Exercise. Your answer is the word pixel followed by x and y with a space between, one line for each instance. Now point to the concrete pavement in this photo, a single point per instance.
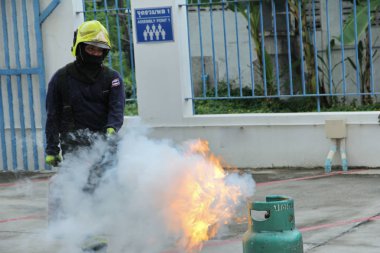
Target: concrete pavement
pixel 337 212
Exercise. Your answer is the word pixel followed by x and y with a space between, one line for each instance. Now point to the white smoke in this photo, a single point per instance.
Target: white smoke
pixel 130 205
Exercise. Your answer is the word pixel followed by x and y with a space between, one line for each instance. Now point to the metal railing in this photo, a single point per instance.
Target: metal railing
pixel 277 50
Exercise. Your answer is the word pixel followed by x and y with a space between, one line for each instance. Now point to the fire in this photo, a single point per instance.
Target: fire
pixel 203 200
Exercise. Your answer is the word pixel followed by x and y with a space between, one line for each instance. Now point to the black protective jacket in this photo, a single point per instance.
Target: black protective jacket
pixel 74 103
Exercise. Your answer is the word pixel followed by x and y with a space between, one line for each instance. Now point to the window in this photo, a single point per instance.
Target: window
pixel 309 14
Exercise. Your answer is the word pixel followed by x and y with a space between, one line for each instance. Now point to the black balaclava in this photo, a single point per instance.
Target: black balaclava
pixel 87 67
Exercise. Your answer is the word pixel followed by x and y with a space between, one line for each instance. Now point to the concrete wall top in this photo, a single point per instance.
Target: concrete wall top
pixel 272 119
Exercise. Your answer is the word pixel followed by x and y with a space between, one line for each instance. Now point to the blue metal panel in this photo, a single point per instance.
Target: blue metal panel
pixel 190 59
pixel 276 46
pixel 84 9
pixel 95 6
pixel 118 38
pixel 108 28
pixel 289 48
pixel 41 65
pixel 225 48
pixel 263 48
pixel 316 58
pixel 2 123
pixel 342 46
pixel 30 85
pixel 370 46
pixel 356 48
pixel 2 132
pixel 48 10
pixel 9 85
pixel 329 48
pixel 201 49
pixel 131 51
pixel 301 47
pixel 21 71
pixel 213 50
pixel 252 70
pixel 237 49
pixel 19 88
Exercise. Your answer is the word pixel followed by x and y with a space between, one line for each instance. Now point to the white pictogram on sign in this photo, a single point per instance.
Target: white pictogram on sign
pixel 154 33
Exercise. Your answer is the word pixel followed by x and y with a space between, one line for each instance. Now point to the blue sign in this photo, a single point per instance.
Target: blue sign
pixel 154 24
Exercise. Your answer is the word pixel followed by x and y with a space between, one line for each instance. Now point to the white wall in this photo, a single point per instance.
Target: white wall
pixel 57 34
pixel 280 140
pixel 249 140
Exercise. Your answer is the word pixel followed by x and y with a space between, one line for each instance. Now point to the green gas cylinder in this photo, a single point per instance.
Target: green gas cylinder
pixel 271 227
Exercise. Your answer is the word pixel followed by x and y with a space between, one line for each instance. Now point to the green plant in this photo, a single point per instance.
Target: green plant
pixel 324 79
pixel 364 69
pixel 131 108
pixel 363 63
pixel 251 12
pixel 237 104
pixel 299 14
pixel 361 21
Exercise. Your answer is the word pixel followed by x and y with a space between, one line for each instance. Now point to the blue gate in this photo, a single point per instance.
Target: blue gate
pixel 22 84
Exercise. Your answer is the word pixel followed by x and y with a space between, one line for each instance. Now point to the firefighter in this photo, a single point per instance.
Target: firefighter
pixel 84 98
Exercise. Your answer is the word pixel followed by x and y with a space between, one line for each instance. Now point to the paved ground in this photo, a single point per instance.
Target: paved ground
pixel 335 213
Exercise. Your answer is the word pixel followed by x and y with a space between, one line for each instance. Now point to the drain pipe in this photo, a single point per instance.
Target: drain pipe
pixel 343 154
pixel 336 132
pixel 330 155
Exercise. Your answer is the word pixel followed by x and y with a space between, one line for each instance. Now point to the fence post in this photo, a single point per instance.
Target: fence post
pixel 162 61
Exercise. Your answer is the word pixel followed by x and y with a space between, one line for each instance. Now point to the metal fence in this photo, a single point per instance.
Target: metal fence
pixel 319 53
pixel 116 17
pixel 275 51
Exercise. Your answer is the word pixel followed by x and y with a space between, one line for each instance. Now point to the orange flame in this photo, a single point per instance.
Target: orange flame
pixel 203 199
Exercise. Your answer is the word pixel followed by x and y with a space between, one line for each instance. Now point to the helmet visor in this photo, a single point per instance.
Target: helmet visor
pixel 98 44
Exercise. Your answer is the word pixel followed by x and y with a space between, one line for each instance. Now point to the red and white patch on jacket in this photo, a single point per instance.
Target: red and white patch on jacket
pixel 115 82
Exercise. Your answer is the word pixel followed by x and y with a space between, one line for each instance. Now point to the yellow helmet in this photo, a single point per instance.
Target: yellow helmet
pixel 91 32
